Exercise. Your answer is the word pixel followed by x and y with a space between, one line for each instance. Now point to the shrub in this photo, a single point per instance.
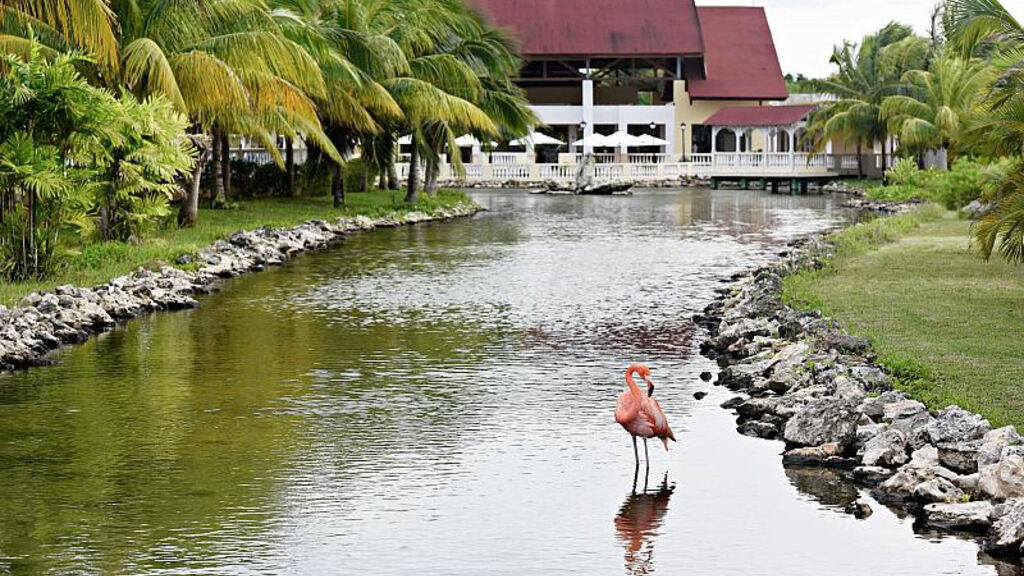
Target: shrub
pixel 904 172
pixel 354 176
pixel 953 189
pixel 74 156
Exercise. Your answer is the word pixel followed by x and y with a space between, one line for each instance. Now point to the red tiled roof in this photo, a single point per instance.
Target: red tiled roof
pixel 758 116
pixel 597 27
pixel 739 56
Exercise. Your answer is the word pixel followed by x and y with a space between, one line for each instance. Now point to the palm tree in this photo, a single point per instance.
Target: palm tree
pixel 866 75
pixel 88 25
pixel 226 64
pixel 337 73
pixel 229 66
pixel 936 105
pixel 985 27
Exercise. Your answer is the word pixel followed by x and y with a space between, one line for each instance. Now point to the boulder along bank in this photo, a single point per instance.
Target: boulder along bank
pixel 807 382
pixel 44 322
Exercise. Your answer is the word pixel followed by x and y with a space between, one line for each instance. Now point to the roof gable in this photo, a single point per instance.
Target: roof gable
pixel 739 56
pixel 546 28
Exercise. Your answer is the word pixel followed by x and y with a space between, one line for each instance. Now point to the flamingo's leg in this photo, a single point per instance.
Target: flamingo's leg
pixel 636 455
pixel 646 458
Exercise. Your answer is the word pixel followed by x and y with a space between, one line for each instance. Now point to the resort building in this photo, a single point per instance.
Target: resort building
pixel 701 79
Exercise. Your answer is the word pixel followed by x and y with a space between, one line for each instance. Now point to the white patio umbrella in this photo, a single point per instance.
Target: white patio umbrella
pixel 405 140
pixel 466 141
pixel 622 139
pixel 538 139
pixel 648 140
pixel 595 140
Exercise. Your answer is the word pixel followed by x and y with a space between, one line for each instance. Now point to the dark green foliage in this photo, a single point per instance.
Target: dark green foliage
pixel 251 180
pixel 359 177
pixel 73 158
pixel 965 182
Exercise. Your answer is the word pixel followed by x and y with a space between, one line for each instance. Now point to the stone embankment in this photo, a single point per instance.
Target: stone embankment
pixel 805 381
pixel 43 322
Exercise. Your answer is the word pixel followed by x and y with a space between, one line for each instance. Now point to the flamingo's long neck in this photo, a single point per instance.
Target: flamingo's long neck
pixel 631 383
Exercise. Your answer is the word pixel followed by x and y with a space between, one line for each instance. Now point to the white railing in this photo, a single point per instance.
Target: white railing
pixel 506 158
pixel 737 160
pixel 556 171
pixel 649 158
pixel 644 171
pixel 521 172
pixel 263 156
pixel 722 164
pixel 701 159
pixel 598 158
pixel 803 160
pixel 850 162
pixel 775 160
pixel 609 171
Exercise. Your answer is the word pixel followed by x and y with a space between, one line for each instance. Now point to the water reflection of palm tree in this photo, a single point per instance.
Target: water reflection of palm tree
pixel 638 522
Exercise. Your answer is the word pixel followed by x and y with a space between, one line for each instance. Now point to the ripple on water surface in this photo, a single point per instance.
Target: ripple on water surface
pixel 437 400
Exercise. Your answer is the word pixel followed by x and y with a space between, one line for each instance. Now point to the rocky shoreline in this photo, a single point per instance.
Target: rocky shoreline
pixel 808 383
pixel 44 322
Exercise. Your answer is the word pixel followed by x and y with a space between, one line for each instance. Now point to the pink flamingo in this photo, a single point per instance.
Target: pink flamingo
pixel 640 414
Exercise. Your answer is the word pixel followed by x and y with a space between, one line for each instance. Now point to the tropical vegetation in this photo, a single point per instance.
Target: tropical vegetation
pixel 151 95
pixel 953 98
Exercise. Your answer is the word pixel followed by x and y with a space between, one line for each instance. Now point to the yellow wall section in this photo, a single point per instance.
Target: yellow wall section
pixel 696 112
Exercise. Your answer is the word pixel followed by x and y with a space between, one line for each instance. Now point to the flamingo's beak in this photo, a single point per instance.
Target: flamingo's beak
pixel 650 386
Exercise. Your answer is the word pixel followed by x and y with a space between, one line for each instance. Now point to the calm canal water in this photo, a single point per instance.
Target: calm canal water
pixel 437 400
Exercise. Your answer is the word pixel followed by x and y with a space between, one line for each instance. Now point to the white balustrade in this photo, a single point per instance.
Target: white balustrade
pixel 735 164
pixel 775 161
pixel 557 171
pixel 645 171
pixel 521 172
pixel 598 158
pixel 507 158
pixel 608 171
pixel 649 158
pixel 701 159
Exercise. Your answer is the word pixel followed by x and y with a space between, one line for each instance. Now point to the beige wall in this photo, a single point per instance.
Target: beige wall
pixel 696 112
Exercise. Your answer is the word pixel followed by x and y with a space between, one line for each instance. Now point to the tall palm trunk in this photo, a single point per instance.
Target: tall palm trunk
pixel 412 190
pixel 225 150
pixel 860 160
pixel 382 179
pixel 885 161
pixel 219 199
pixel 340 140
pixel 365 185
pixel 338 185
pixel 392 175
pixel 33 249
pixel 188 214
pixel 432 173
pixel 289 165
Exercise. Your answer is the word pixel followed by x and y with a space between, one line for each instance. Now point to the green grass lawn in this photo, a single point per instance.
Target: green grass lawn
pixel 97 263
pixel 948 324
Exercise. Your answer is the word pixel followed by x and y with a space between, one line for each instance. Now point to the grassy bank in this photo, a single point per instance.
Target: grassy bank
pixel 97 263
pixel 945 322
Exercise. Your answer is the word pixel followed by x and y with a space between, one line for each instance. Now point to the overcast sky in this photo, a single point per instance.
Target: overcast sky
pixel 806 30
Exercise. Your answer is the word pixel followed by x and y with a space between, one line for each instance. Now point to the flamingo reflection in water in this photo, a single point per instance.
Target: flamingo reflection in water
pixel 638 522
